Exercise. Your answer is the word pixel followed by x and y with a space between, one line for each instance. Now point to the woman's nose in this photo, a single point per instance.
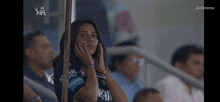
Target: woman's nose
pixel 90 38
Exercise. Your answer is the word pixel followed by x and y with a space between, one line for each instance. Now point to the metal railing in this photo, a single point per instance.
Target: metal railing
pixel 127 50
pixel 41 89
pixel 155 61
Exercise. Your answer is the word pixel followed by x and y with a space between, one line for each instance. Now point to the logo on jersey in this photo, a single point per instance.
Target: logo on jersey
pixel 72 73
pixel 105 95
pixel 75 82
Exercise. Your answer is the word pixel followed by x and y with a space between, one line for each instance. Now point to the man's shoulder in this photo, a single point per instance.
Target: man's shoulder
pixel 116 75
pixel 113 74
pixel 28 72
pixel 167 84
pixel 26 69
pixel 168 80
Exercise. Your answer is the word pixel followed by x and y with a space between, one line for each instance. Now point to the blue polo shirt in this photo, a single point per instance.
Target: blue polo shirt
pixel 131 88
pixel 28 72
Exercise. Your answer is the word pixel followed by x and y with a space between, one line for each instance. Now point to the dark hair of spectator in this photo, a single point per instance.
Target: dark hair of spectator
pixel 120 58
pixel 28 41
pixel 144 93
pixel 182 53
pixel 74 32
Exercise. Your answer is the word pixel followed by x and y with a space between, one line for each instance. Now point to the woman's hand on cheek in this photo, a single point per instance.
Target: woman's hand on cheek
pixel 99 62
pixel 82 53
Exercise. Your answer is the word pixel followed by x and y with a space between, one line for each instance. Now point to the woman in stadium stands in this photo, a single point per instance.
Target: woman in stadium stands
pixel 89 79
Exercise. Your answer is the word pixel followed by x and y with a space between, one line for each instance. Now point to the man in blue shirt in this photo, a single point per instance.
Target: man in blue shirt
pixel 37 56
pixel 125 69
pixel 131 87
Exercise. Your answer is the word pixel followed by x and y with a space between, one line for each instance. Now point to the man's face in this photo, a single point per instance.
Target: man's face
pixel 129 67
pixel 43 52
pixel 194 65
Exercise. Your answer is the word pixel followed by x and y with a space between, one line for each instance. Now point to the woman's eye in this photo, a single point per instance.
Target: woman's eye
pixel 94 36
pixel 83 35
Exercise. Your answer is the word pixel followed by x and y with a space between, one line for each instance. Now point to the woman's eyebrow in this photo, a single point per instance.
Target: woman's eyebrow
pixel 94 32
pixel 83 31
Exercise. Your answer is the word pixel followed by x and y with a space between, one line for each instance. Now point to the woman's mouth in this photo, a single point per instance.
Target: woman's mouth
pixel 90 46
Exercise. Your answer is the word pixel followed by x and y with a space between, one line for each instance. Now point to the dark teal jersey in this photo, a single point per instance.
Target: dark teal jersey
pixel 77 79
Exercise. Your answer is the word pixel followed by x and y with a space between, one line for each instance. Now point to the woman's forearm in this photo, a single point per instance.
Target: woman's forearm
pixel 90 89
pixel 118 94
pixel 91 80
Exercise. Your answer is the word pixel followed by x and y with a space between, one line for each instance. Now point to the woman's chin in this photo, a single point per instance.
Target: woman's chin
pixel 91 52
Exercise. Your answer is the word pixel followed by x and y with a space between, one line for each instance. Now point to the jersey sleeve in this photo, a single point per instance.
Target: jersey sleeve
pixel 76 81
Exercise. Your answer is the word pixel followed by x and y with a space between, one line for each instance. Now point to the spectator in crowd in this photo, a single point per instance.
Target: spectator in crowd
pixel 189 59
pixel 28 94
pixel 89 79
pixel 148 95
pixel 36 58
pixel 125 69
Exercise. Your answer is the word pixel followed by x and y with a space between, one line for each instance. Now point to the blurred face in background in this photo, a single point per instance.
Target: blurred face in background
pixel 194 65
pixel 42 53
pixel 153 97
pixel 130 67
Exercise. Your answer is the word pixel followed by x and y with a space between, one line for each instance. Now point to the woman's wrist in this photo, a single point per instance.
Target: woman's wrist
pixel 90 65
pixel 100 69
pixel 106 71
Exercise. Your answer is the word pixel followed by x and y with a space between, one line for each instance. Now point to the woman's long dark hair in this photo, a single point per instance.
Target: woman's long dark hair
pixel 74 32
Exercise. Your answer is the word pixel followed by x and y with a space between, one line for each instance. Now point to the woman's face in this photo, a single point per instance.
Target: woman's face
pixel 87 35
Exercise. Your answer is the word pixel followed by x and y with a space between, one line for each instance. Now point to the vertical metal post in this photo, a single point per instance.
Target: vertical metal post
pixel 66 51
pixel 73 16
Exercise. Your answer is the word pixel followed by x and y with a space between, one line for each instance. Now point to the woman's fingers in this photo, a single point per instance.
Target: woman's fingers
pixel 77 52
pixel 81 48
pixel 85 49
pixel 82 53
pixel 100 51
